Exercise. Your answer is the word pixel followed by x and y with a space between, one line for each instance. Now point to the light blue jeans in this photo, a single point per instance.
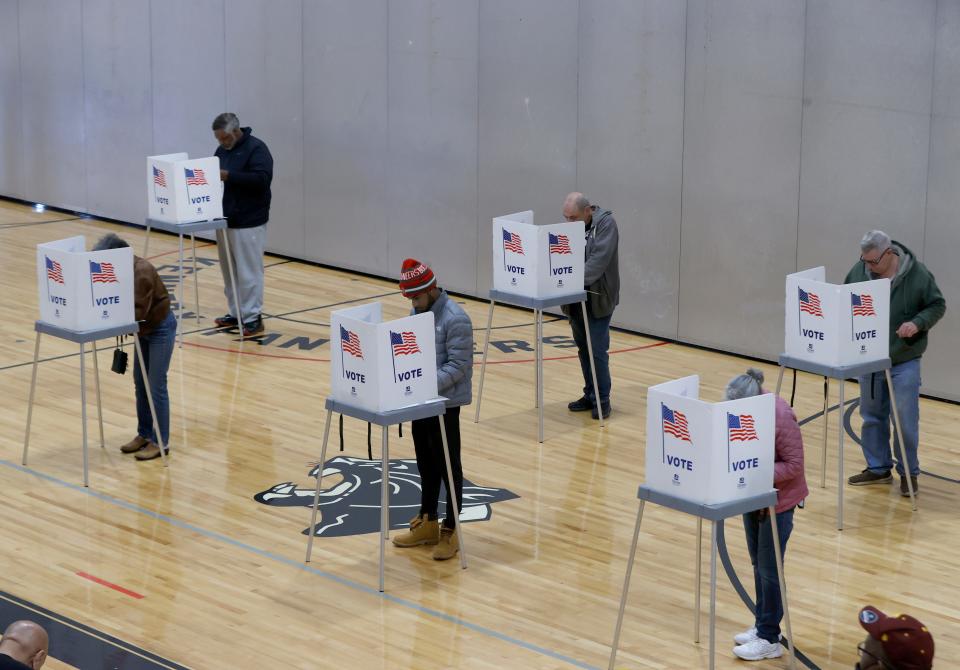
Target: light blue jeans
pixel 157 348
pixel 877 416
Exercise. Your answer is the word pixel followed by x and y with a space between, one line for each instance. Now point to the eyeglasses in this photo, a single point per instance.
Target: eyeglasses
pixel 879 662
pixel 877 260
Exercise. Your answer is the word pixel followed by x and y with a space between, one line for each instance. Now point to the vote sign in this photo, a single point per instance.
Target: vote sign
pixel 181 190
pixel 84 290
pixel 708 453
pixel 836 324
pixel 382 366
pixel 537 261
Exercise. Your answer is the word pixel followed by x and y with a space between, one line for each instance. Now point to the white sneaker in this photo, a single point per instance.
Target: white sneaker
pixel 758 649
pixel 748 635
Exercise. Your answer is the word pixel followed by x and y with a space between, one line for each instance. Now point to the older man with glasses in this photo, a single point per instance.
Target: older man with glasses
pixel 916 305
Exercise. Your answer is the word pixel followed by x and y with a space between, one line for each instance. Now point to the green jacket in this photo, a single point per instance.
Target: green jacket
pixel 914 296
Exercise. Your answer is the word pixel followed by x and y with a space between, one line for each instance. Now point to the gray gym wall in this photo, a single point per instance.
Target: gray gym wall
pixel 735 140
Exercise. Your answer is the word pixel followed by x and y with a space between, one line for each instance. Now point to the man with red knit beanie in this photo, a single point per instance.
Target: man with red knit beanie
pixel 893 643
pixel 454 335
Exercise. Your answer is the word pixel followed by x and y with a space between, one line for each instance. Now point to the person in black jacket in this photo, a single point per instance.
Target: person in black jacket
pixel 246 169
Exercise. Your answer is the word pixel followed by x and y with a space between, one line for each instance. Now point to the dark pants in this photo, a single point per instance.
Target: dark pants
pixel 760 545
pixel 157 348
pixel 600 341
pixel 428 444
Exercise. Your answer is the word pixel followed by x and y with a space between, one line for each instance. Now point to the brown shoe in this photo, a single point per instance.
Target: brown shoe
pixel 149 452
pixel 904 491
pixel 448 546
pixel 422 531
pixel 136 444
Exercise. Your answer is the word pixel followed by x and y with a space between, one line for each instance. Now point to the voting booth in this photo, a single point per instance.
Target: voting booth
pixel 382 366
pixel 537 261
pixel 184 190
pixel 837 331
pixel 84 290
pixel 537 267
pixel 833 324
pixel 712 461
pixel 85 296
pixel 707 452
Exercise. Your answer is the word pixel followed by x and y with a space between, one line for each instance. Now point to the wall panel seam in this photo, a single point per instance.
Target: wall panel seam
pixel 933 86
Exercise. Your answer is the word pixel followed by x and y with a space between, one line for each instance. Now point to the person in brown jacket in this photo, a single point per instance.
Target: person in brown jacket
pixel 158 333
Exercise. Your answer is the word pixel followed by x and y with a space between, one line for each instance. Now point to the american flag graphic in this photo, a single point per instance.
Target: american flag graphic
pixel 741 427
pixel 675 423
pixel 159 178
pixel 512 242
pixel 404 343
pixel 862 304
pixel 195 177
pixel 810 303
pixel 350 343
pixel 54 271
pixel 102 273
pixel 559 244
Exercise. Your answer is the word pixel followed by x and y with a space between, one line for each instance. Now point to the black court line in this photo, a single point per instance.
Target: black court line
pixel 23 224
pixel 273 265
pixel 80 645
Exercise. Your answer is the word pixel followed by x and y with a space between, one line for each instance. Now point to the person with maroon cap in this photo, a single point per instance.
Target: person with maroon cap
pixel 454 337
pixel 893 643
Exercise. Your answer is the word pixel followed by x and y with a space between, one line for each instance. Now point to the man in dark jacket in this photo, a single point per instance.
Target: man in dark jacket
pixel 915 307
pixel 246 169
pixel 454 338
pixel 24 646
pixel 601 278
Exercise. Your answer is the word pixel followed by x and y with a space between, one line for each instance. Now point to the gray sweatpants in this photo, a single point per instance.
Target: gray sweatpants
pixel 246 253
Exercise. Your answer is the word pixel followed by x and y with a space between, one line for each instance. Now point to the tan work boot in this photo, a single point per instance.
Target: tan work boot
pixel 136 444
pixel 448 545
pixel 422 531
pixel 149 452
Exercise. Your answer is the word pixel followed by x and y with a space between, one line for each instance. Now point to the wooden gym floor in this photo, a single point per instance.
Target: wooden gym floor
pixel 185 565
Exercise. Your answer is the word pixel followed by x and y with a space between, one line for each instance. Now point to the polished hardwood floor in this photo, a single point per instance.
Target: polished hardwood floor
pixel 212 578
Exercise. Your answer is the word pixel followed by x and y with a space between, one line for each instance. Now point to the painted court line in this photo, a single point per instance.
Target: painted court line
pixel 109 585
pixel 443 616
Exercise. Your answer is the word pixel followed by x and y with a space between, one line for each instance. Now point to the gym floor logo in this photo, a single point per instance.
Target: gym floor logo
pixel 352 506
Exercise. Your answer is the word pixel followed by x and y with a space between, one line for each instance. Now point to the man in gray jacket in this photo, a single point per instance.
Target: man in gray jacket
pixel 601 278
pixel 454 335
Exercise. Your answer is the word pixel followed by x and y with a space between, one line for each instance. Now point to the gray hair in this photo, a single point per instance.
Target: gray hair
pixel 581 202
pixel 227 122
pixel 875 240
pixel 745 386
pixel 110 241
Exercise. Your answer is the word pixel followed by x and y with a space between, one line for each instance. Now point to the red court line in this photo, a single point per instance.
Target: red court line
pixel 327 360
pixel 109 585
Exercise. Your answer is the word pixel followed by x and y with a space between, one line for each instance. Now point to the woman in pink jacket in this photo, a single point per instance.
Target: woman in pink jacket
pixel 763 639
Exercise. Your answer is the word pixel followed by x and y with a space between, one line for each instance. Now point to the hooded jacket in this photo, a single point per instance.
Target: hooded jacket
pixel 914 296
pixel 246 191
pixel 601 269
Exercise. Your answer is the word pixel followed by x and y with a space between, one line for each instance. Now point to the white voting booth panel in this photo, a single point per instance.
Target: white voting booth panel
pixel 708 453
pixel 382 366
pixel 184 190
pixel 537 261
pixel 84 290
pixel 836 325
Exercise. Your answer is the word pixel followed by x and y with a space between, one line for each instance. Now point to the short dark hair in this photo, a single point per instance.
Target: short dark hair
pixel 110 241
pixel 227 121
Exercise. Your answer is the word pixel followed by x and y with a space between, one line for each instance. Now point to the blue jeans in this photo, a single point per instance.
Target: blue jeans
pixel 769 610
pixel 157 348
pixel 877 415
pixel 600 341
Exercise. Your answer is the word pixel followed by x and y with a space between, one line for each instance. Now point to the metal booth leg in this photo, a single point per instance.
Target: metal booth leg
pixel 33 388
pixel 316 496
pixel 826 421
pixel 780 380
pixel 840 482
pixel 233 281
pixel 536 358
pixel 83 409
pixel 180 297
pixel 696 601
pixel 196 284
pixel 539 365
pixel 593 366
pixel 96 378
pixel 903 448
pixel 783 584
pixel 385 496
pixel 452 495
pixel 146 242
pixel 626 587
pixel 483 364
pixel 713 593
pixel 138 351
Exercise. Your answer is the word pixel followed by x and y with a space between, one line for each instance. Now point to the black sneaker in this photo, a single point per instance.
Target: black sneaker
pixel 254 327
pixel 867 477
pixel 904 491
pixel 583 404
pixel 226 321
pixel 604 407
